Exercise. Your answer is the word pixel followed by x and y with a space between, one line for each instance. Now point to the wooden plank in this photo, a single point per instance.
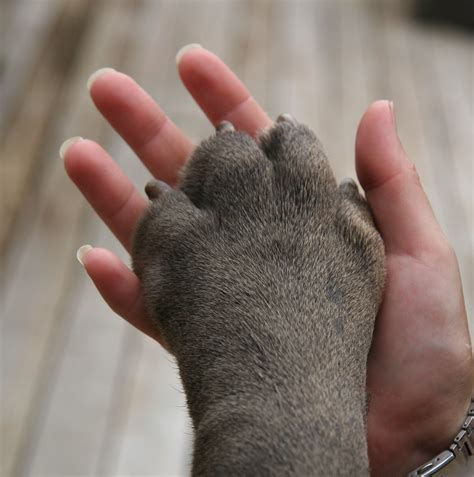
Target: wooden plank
pixel 281 52
pixel 453 60
pixel 319 76
pixel 245 43
pixel 156 437
pixel 71 419
pixel 25 24
pixel 114 22
pixel 355 77
pixel 450 169
pixel 40 261
pixel 21 147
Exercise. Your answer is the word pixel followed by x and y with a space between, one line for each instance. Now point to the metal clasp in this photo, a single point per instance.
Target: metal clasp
pixel 434 465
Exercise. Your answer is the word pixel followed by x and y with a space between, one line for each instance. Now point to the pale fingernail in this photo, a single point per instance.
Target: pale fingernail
pixel 394 123
pixel 185 49
pixel 96 74
pixel 82 252
pixel 67 144
pixel 394 118
pixel 392 111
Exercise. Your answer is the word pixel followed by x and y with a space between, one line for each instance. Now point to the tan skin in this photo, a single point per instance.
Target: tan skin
pixel 420 367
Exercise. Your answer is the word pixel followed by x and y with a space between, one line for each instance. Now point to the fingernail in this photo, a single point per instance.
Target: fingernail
pixel 392 112
pixel 96 74
pixel 67 144
pixel 82 252
pixel 394 123
pixel 185 49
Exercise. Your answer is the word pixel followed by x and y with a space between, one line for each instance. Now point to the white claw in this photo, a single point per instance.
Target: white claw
pixel 348 182
pixel 225 126
pixel 285 117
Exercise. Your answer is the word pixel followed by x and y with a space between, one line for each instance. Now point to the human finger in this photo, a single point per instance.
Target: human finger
pixel 392 186
pixel 105 186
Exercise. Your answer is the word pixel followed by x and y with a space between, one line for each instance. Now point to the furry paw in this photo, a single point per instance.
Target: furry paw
pixel 265 278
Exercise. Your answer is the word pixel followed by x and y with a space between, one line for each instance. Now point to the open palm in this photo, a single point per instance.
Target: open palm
pixel 420 365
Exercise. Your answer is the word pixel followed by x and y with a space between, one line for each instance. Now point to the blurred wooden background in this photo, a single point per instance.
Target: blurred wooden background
pixel 82 393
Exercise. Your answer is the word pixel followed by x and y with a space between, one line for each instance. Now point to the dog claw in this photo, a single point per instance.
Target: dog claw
pixel 224 126
pixel 285 117
pixel 348 182
pixel 155 189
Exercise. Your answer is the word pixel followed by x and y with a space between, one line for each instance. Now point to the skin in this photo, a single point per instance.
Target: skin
pixel 420 367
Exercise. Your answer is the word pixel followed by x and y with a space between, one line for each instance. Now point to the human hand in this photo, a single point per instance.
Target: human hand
pixel 420 366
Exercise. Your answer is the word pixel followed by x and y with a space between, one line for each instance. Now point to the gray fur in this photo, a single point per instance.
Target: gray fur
pixel 265 278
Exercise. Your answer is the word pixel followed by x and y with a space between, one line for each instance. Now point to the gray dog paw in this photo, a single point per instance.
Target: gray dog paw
pixel 264 277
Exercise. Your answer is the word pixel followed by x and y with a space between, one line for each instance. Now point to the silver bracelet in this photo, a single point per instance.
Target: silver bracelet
pixel 458 459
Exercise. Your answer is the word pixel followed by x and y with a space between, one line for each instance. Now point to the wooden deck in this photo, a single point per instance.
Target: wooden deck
pixel 82 393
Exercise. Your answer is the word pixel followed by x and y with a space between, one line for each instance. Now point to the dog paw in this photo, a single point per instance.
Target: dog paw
pixel 259 242
pixel 264 276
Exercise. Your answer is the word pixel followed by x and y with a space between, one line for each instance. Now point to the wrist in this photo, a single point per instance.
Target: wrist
pixel 397 449
pixel 455 459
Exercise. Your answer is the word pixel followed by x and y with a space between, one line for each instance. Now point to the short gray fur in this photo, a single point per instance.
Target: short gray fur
pixel 264 277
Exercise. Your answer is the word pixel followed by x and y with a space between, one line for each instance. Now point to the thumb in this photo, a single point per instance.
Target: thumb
pixel 392 186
